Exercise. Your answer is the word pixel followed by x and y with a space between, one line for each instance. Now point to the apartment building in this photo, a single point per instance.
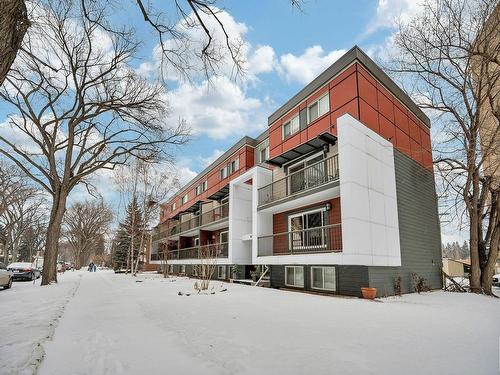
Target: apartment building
pixel 337 194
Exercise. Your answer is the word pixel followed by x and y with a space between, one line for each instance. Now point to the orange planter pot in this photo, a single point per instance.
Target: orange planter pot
pixel 369 293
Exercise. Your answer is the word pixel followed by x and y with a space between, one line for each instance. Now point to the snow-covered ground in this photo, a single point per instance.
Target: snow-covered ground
pixel 28 318
pixel 115 325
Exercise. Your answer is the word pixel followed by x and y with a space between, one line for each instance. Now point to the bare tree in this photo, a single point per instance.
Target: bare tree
pixel 22 207
pixel 79 108
pixel 208 264
pixel 450 57
pixel 84 225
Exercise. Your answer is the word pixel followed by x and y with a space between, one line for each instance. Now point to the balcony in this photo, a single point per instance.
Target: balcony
pixel 323 239
pixel 310 177
pixel 216 214
pixel 219 250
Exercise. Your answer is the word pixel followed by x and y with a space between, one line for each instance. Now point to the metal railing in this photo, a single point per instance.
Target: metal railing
pixel 192 223
pixel 218 250
pixel 215 214
pixel 323 239
pixel 311 176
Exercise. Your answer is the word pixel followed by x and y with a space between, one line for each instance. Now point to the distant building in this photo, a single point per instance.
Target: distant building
pixel 456 268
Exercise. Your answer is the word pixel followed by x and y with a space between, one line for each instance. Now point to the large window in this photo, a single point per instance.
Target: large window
pixel 323 278
pixel 306 174
pixel 294 276
pixel 306 230
pixel 318 108
pixel 184 199
pixel 291 127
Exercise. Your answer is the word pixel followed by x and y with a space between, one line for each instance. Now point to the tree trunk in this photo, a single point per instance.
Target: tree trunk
pixel 13 25
pixel 49 273
pixel 489 268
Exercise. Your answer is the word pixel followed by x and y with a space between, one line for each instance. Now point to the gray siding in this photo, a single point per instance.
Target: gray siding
pixel 419 230
pixel 349 281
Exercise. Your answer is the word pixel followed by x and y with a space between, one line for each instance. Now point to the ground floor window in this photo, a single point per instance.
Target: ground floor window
pixel 170 268
pixel 323 278
pixel 221 272
pixel 294 276
pixel 195 270
pixel 183 269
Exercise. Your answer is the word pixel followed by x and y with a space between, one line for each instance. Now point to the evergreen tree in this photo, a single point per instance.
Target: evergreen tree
pixel 131 227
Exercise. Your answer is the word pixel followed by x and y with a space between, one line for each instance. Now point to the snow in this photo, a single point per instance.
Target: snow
pixel 115 325
pixel 29 315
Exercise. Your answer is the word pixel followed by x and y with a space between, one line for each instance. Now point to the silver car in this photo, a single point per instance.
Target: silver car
pixel 5 277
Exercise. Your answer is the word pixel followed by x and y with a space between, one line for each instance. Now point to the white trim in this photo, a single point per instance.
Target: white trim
pixel 323 275
pixel 294 276
pixel 290 217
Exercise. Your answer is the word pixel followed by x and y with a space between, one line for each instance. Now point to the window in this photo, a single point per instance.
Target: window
pixel 221 272
pixel 224 237
pixel 294 276
pixel 291 127
pixel 201 188
pixel 184 199
pixel 323 278
pixel 170 268
pixel 318 108
pixel 223 173
pixel 306 230
pixel 234 165
pixel 306 174
pixel 264 154
pixel 173 206
pixel 197 241
pixel 182 268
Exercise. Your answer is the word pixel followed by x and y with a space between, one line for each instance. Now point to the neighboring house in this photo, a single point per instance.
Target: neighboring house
pixel 487 44
pixel 337 194
pixel 456 268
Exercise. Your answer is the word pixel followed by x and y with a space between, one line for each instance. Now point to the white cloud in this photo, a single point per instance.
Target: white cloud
pixel 219 109
pixel 389 12
pixel 306 67
pixel 263 60
pixel 206 161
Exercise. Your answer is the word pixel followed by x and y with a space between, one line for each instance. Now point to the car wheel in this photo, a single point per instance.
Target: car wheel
pixel 9 284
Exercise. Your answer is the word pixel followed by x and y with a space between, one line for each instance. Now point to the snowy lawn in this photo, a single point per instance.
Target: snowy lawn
pixel 115 325
pixel 28 317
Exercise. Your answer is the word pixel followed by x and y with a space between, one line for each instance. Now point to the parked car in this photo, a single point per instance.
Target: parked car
pixel 23 271
pixel 5 277
pixel 496 280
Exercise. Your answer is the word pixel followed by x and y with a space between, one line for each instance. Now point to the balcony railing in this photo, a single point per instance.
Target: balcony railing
pixel 189 224
pixel 219 250
pixel 215 214
pixel 323 239
pixel 313 175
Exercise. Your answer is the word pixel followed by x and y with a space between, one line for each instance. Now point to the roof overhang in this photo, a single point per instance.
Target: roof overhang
pixel 220 194
pixel 193 208
pixel 305 148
